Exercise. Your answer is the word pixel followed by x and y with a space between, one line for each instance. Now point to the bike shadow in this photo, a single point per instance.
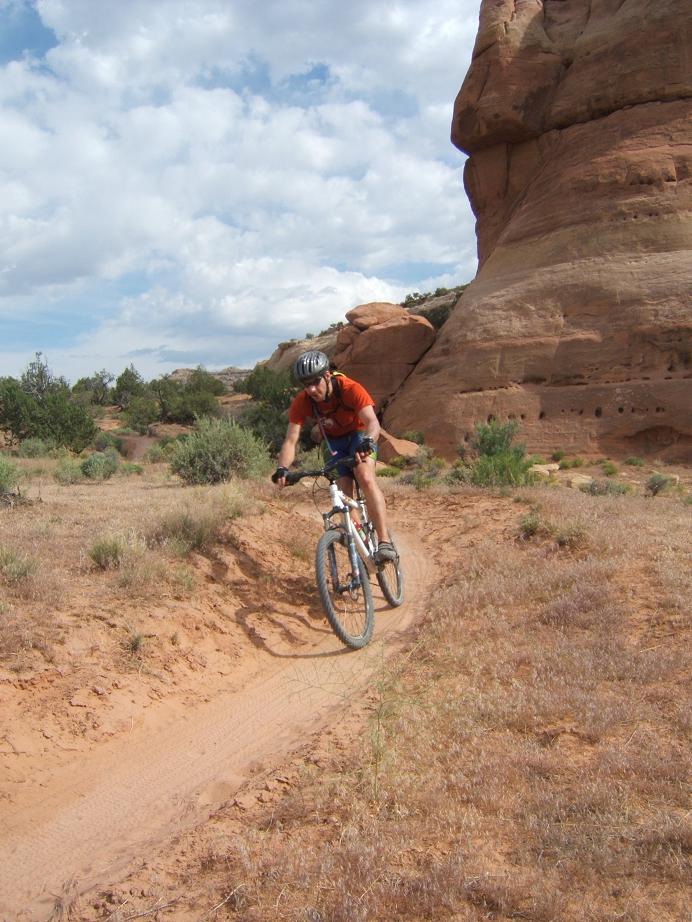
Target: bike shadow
pixel 289 628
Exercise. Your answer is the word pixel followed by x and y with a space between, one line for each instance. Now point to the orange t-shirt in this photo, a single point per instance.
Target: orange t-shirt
pixel 342 410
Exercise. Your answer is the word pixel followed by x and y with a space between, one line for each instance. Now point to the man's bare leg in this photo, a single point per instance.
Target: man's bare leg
pixel 367 478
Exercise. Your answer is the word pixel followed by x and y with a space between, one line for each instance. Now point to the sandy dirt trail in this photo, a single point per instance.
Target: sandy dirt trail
pixel 99 815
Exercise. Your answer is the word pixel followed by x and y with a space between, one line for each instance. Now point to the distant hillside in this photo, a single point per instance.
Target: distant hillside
pixel 227 376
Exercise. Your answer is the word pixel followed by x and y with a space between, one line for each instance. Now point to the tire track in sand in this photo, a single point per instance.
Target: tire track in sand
pixel 116 805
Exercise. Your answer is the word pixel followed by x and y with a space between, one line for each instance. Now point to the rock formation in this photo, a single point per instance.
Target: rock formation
pixel 379 346
pixel 577 118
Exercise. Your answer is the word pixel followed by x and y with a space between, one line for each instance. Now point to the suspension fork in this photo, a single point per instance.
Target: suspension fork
pixel 341 505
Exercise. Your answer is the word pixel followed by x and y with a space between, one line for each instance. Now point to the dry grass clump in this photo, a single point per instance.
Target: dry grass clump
pixel 99 541
pixel 197 523
pixel 529 760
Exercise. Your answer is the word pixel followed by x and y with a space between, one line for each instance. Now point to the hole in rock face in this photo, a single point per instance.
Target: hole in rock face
pixel 522 416
pixel 621 409
pixel 598 412
pixel 541 415
pixel 491 418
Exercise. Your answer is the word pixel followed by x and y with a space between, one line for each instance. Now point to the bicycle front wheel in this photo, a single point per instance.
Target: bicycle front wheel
pixel 391 580
pixel 345 595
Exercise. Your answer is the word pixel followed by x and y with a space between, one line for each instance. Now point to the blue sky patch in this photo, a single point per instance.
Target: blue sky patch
pixel 22 32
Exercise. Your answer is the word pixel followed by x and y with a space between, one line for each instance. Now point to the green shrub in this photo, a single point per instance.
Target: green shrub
pixel 425 470
pixel 574 462
pixel 106 440
pixel 557 455
pixel 509 468
pixel 605 488
pixel 100 465
pixel 156 454
pixel 218 450
pixel 141 413
pixel 398 461
pixel 127 468
pixel 498 462
pixel 35 448
pixel 68 471
pixel 388 471
pixel 268 424
pixel 9 475
pixel 15 568
pixel 529 525
pixel 494 438
pixel 460 472
pixel 108 552
pixel 657 483
pixel 413 435
pixel 609 469
pixel 634 461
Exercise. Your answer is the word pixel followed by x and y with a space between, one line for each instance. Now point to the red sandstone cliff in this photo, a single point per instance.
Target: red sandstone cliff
pixel 577 117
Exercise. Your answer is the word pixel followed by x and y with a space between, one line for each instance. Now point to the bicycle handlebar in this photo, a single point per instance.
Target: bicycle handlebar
pixel 294 476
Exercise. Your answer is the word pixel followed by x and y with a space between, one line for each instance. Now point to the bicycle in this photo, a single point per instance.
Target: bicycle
pixel 345 557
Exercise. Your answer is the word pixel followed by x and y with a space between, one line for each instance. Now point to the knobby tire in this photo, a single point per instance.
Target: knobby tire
pixel 348 610
pixel 391 580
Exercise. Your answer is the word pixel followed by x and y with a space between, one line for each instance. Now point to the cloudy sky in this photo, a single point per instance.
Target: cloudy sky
pixel 189 182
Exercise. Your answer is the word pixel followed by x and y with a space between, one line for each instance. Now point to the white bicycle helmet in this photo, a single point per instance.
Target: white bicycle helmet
pixel 310 365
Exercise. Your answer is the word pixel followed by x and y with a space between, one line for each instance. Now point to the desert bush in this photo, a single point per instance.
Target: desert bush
pixel 413 435
pixel 398 461
pixel 127 468
pixel 425 469
pixel 141 412
pixel 508 468
pixel 566 464
pixel 529 524
pixel 609 469
pixel 218 450
pixel 163 450
pixel 35 448
pixel 9 475
pixel 198 524
pixel 68 471
pixel 40 406
pixel 106 440
pixel 108 552
pixel 657 483
pixel 272 392
pixel 388 471
pixel 605 488
pixel 15 568
pixel 557 455
pixel 497 462
pixel 100 465
pixel 266 422
pixel 494 438
pixel 634 461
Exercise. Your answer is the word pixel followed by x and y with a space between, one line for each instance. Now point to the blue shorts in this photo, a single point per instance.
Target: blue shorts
pixel 344 446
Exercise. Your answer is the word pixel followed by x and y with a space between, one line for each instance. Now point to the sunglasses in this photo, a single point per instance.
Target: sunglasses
pixel 312 382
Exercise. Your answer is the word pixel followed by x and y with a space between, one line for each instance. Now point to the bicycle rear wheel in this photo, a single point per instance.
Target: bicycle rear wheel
pixel 391 579
pixel 346 597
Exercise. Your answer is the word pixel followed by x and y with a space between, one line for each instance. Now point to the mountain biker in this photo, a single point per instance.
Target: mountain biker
pixel 346 421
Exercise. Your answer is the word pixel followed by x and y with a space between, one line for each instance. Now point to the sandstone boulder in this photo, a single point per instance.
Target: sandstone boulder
pixel 579 323
pixel 390 447
pixel 285 354
pixel 380 347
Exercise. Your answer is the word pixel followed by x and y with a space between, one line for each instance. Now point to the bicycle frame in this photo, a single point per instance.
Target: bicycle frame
pixel 340 506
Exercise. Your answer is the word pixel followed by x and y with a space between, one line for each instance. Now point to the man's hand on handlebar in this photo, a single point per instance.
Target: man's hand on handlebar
pixel 365 449
pixel 279 476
